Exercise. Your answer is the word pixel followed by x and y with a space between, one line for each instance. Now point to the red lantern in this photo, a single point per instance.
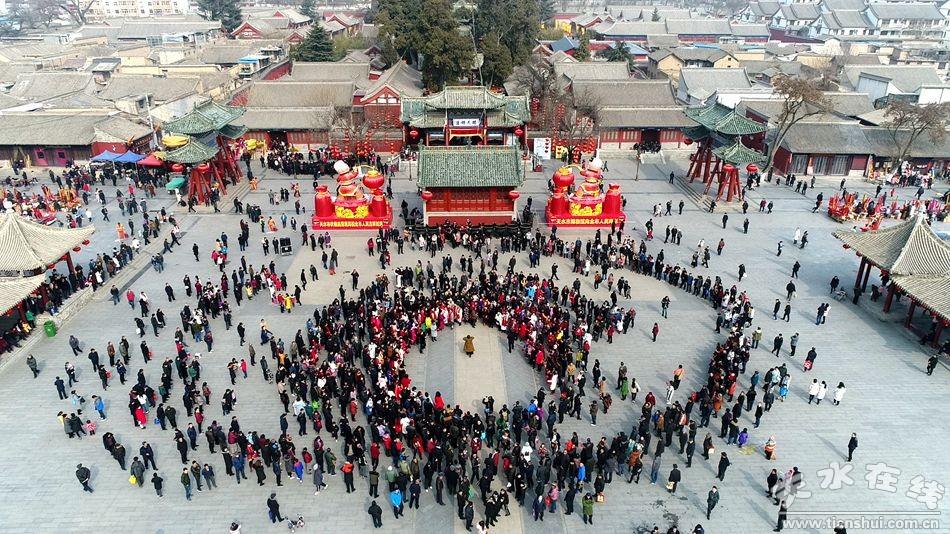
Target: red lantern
pixel 373 180
pixel 728 168
pixel 203 168
pixel 76 249
pixel 752 167
pixel 178 167
pixel 414 133
pixel 563 177
pixel 85 241
pixel 519 131
pixel 687 141
pixel 427 195
pixel 513 195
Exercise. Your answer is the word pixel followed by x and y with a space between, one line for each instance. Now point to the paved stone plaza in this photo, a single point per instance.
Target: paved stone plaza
pixel 891 403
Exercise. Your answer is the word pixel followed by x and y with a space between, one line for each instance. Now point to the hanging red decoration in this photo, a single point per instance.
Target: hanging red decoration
pixel 519 131
pixel 687 141
pixel 76 249
pixel 85 241
pixel 752 167
pixel 414 133
pixel 513 195
pixel 728 167
pixel 427 195
pixel 178 167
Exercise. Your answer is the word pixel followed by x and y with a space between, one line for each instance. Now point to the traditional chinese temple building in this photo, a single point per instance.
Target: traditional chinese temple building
pixel 208 130
pixel 720 150
pixel 914 262
pixel 469 143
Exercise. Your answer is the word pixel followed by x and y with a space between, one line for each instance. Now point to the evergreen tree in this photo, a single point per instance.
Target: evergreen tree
pixel 399 30
pixel 306 8
pixel 514 21
pixel 618 53
pixel 582 52
pixel 447 55
pixel 228 12
pixel 316 47
pixel 498 65
pixel 546 10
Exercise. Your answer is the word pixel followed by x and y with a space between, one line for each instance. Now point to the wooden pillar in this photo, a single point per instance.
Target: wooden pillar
pixel 910 313
pixel 857 281
pixel 867 274
pixel 890 297
pixel 69 261
pixel 707 163
pixel 936 341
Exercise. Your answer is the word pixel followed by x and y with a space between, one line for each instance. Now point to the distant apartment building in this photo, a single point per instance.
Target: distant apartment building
pixel 137 8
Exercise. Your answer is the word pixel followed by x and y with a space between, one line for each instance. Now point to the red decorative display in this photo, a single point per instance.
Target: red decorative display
pixel 352 208
pixel 587 205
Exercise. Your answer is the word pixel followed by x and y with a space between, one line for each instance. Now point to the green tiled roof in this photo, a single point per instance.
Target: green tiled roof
pixel 429 120
pixel 206 117
pixel 735 124
pixel 415 108
pixel 191 153
pixel 707 114
pixel 696 132
pixel 232 131
pixel 500 118
pixel 724 120
pixel 476 166
pixel 738 154
pixel 466 98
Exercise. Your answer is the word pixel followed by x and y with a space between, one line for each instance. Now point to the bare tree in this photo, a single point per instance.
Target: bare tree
pixel 77 9
pixel 572 121
pixel 536 78
pixel 352 128
pixel 906 123
pixel 800 99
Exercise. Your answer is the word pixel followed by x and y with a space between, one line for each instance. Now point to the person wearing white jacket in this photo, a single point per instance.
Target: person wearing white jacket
pixel 839 394
pixel 813 390
pixel 822 391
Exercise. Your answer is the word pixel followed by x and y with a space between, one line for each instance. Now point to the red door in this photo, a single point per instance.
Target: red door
pixel 60 158
pixel 39 157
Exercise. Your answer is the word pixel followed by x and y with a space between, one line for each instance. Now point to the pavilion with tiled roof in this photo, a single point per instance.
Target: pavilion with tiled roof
pixel 470 183
pixel 470 143
pixel 191 153
pixel 916 261
pixel 475 113
pixel 208 153
pixel 720 149
pixel 30 249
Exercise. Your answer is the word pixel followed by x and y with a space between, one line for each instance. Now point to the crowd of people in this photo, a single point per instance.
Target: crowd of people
pixel 343 376
pixel 350 406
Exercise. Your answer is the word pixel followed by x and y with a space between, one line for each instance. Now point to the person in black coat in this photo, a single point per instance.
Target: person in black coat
pixel 273 508
pixel 723 465
pixel 377 514
pixel 675 477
